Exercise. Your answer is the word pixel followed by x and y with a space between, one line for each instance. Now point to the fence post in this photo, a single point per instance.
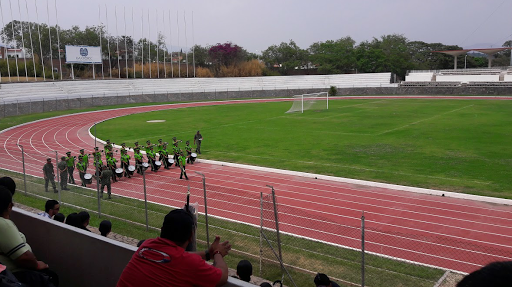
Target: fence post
pixel 98 187
pixel 205 209
pixel 277 224
pixel 362 250
pixel 261 230
pixel 145 198
pixel 58 172
pixel 24 173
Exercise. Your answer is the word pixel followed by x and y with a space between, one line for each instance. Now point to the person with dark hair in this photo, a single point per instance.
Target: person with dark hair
pixel 59 217
pixel 73 219
pixel 495 274
pixel 49 175
pixel 322 280
pixel 105 176
pixel 83 220
pixel 70 160
pixel 51 208
pixel 163 261
pixel 182 163
pixel 105 227
pixel 8 183
pixel 198 139
pixel 244 270
pixel 16 254
pixel 62 166
pixel 265 284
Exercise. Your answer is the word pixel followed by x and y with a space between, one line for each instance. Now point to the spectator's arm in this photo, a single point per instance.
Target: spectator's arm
pixel 218 261
pixel 28 260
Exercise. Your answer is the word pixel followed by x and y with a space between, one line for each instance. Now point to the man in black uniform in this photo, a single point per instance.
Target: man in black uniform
pixel 62 166
pixel 198 138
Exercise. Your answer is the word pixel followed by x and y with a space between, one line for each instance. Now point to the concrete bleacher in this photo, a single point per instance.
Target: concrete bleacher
pixel 122 87
pixel 419 77
pixel 430 84
pixel 468 78
pixel 80 258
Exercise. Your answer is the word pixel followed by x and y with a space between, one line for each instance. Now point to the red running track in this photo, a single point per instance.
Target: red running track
pixel 451 233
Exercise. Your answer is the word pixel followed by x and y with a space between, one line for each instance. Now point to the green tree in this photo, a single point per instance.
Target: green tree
pixel 334 57
pixel 286 56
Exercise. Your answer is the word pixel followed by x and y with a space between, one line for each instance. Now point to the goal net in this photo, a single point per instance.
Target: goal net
pixel 315 101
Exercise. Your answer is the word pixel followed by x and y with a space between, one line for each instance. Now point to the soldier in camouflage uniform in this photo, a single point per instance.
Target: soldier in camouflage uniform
pixel 49 175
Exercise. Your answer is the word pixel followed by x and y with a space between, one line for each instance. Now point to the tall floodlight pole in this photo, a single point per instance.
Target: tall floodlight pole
pixel 165 45
pixel 23 42
pixel 50 37
pixel 149 46
pixel 117 42
pixel 108 44
pixel 142 41
pixel 101 46
pixel 170 43
pixel 6 57
pixel 40 44
pixel 16 47
pixel 186 41
pixel 133 44
pixel 193 46
pixel 179 52
pixel 157 46
pixel 58 38
pixel 31 44
pixel 125 45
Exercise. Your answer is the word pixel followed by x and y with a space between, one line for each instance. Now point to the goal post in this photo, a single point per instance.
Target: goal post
pixel 314 101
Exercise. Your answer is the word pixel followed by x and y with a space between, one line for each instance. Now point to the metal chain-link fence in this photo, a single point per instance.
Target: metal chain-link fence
pixel 283 242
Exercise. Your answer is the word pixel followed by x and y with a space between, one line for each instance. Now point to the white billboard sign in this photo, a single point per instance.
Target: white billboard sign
pixel 83 55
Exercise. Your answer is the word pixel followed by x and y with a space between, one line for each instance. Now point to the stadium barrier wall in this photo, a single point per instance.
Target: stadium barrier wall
pixel 21 107
pixel 80 258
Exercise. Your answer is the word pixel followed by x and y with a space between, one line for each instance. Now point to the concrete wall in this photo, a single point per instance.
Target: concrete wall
pixel 14 108
pixel 80 258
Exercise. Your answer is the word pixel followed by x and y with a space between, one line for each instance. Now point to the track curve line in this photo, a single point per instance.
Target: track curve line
pixel 451 233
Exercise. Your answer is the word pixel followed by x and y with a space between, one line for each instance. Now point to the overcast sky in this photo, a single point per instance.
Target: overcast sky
pixel 257 24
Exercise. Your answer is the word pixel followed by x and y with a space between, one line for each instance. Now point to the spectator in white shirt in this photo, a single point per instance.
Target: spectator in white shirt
pixel 50 208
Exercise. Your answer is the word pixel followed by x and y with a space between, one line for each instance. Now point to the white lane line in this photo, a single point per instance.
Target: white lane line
pixel 416 122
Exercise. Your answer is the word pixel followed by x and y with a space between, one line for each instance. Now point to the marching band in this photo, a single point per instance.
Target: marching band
pixel 156 155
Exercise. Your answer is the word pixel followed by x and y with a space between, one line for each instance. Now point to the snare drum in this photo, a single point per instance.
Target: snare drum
pixel 119 172
pixel 131 169
pixel 194 155
pixel 145 165
pixel 88 178
pixel 170 161
pixel 158 164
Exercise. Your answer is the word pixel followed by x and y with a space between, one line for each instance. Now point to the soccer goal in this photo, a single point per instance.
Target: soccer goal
pixel 315 101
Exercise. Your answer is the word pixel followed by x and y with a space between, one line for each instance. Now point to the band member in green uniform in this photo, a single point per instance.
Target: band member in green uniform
pixel 164 156
pixel 80 165
pixel 108 147
pixel 138 160
pixel 62 166
pixel 176 153
pixel 71 167
pixel 111 162
pixel 188 149
pixel 148 145
pixel 198 138
pixel 159 146
pixel 85 158
pixel 151 158
pixel 98 163
pixel 125 162
pixel 123 148
pixel 182 162
pixel 49 175
pixel 136 145
pixel 105 176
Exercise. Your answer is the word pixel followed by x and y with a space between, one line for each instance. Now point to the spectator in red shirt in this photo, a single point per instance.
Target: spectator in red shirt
pixel 163 261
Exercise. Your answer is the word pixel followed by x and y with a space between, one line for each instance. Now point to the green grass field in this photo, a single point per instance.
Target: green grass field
pixel 453 145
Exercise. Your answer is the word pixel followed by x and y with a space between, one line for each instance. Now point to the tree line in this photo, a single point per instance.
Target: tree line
pixel 389 53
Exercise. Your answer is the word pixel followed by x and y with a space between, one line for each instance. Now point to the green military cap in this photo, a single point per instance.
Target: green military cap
pixel 148 141
pixel 68 152
pixel 135 149
pixel 136 143
pixel 63 158
pixel 108 140
pixel 96 148
pixel 173 138
pixel 123 144
pixel 82 150
pixel 48 159
pixel 160 140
